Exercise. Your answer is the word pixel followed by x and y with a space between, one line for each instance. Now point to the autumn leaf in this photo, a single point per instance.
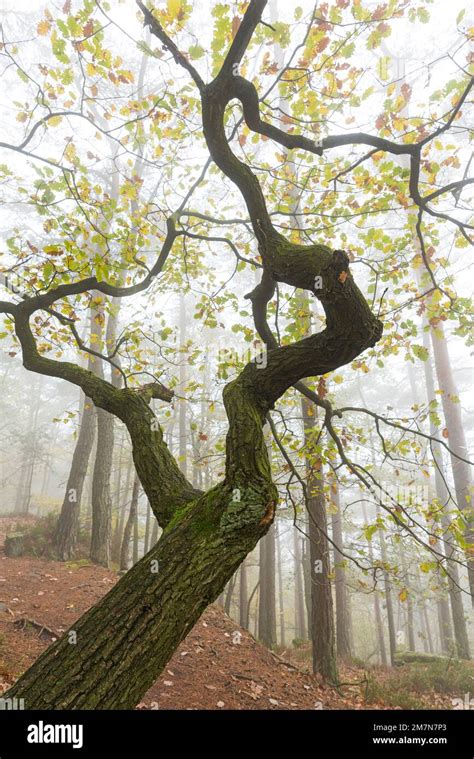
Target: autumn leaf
pixel 43 27
pixel 235 26
pixel 88 28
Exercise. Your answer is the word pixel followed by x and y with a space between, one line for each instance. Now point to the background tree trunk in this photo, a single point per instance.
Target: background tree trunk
pixel 281 604
pixel 343 617
pixel 300 625
pixel 243 597
pixel 454 589
pixel 127 533
pixel 267 598
pixel 67 527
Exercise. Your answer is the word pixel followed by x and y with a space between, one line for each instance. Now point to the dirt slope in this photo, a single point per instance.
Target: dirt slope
pixel 218 666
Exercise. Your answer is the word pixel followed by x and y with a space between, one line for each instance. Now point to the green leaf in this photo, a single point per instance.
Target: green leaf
pixel 420 352
pixel 196 51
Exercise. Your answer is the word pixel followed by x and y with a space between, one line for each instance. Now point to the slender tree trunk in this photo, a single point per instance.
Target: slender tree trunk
pixel 127 533
pixel 229 594
pixel 146 546
pixel 300 627
pixel 25 477
pixel 454 589
pixel 444 624
pixel 154 534
pixel 322 616
pixel 322 621
pixel 342 598
pixel 410 621
pixel 377 609
pixel 101 499
pixel 123 500
pixel 182 407
pixel 135 536
pixel 243 597
pixel 457 442
pixel 427 629
pixel 388 600
pixel 267 600
pixel 281 604
pixel 67 527
pixel 379 626
pixel 459 453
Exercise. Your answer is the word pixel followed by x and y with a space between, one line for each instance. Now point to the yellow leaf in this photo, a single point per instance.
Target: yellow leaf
pixel 403 595
pixel 43 27
pixel 174 8
pixel 55 120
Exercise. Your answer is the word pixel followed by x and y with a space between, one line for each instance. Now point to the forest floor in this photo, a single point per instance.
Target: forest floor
pixel 218 666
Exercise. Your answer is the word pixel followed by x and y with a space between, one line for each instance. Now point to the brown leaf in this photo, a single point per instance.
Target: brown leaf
pixel 235 26
pixel 88 28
